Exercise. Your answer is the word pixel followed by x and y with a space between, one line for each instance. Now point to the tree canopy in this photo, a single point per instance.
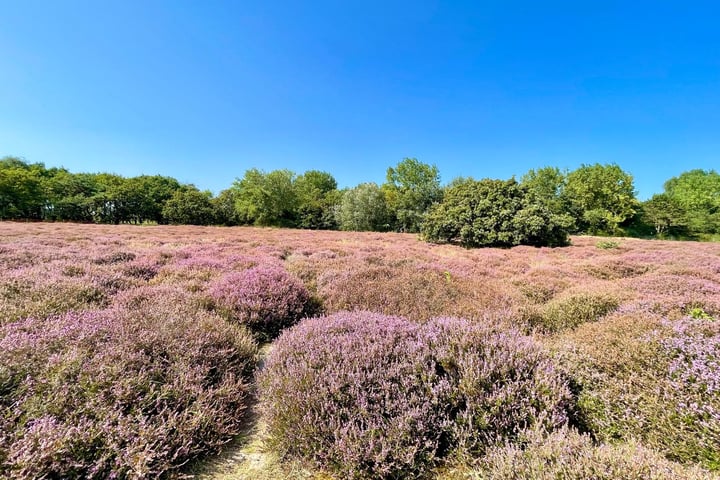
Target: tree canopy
pixel 539 210
pixel 483 213
pixel 600 197
pixel 411 188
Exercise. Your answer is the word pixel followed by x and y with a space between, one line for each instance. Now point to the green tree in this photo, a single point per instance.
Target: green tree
pixel 267 199
pixel 224 206
pixel 547 186
pixel 482 213
pixel 105 204
pixel 317 196
pixel 21 189
pixel 364 208
pixel 411 188
pixel 69 196
pixel 665 214
pixel 601 198
pixel 698 193
pixel 189 206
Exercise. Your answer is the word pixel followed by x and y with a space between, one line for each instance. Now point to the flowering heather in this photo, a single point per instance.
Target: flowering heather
pixel 266 299
pixel 694 370
pixel 374 396
pixel 568 455
pixel 119 394
pixel 634 374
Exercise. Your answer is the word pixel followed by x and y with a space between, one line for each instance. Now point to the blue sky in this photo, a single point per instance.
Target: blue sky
pixel 203 91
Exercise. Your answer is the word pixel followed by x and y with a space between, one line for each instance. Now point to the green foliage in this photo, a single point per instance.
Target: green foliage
pixel 317 196
pixel 594 199
pixel 697 193
pixel 69 196
pixel 479 213
pixel 665 214
pixel 600 197
pixel 569 312
pixel 224 206
pixel 189 206
pixel 699 314
pixel 411 188
pixel 142 198
pixel 607 244
pixel 364 208
pixel 266 199
pixel 20 189
pixel 547 186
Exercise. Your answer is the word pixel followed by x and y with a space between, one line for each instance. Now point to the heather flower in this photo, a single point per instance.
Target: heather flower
pixel 118 393
pixel 374 396
pixel 266 299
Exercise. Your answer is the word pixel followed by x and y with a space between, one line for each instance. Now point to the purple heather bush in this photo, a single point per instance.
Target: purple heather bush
pixel 266 299
pixel 374 396
pixel 119 393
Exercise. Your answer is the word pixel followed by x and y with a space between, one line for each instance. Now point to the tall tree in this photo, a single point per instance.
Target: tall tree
pixel 267 199
pixel 600 197
pixel 547 186
pixel 224 206
pixel 698 193
pixel 69 196
pixel 21 189
pixel 411 188
pixel 317 196
pixel 189 206
pixel 364 208
pixel 665 214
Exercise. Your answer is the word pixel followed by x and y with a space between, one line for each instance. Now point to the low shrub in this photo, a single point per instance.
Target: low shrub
pixel 607 244
pixel 568 455
pixel 266 299
pixel 410 291
pixel 374 396
pixel 119 394
pixel 40 297
pixel 115 257
pixel 642 377
pixel 570 311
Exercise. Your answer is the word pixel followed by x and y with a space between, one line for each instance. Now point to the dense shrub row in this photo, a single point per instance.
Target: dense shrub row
pixel 373 396
pixel 119 393
pixel 539 210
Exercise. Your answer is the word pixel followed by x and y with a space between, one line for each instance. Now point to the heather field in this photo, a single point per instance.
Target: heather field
pixel 221 353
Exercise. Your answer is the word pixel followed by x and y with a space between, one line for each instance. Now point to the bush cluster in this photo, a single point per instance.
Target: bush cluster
pixel 266 299
pixel 493 213
pixel 374 396
pixel 119 394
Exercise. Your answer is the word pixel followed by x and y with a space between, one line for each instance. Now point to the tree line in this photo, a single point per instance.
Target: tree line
pixel 541 208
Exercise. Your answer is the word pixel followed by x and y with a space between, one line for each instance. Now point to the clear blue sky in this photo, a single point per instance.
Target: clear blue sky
pixel 203 90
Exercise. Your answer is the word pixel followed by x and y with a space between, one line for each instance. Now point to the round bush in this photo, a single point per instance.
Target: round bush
pixel 119 394
pixel 374 396
pixel 266 299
